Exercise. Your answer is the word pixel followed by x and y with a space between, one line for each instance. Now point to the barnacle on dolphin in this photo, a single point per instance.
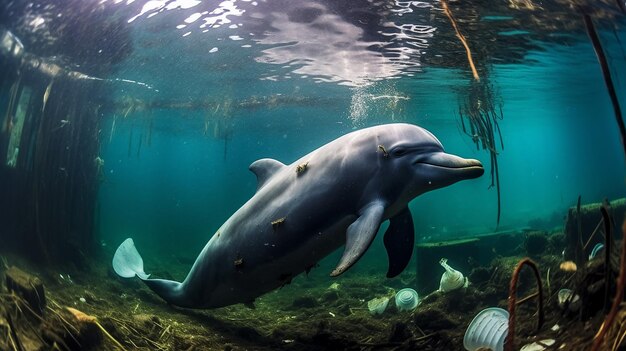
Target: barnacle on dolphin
pixel 382 148
pixel 301 168
pixel 278 222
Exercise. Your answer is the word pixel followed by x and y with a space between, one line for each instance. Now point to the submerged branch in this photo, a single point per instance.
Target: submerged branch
pixel 480 114
pixel 461 37
pixel 606 73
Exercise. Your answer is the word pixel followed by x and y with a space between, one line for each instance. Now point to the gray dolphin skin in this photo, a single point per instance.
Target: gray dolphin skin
pixel 338 194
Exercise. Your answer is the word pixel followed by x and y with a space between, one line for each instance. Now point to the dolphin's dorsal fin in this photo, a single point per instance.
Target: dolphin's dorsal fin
pixel 264 169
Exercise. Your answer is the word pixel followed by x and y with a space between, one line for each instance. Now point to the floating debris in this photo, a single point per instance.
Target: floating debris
pixel 538 345
pixel 377 305
pixel 596 250
pixel 451 279
pixel 567 298
pixel 568 266
pixel 88 326
pixel 407 299
pixel 487 330
pixel 334 287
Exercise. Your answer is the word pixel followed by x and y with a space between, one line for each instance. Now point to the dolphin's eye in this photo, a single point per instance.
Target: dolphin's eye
pixel 399 151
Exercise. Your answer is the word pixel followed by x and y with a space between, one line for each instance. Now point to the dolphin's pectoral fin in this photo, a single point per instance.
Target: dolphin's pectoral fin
pixel 359 236
pixel 398 240
pixel 264 169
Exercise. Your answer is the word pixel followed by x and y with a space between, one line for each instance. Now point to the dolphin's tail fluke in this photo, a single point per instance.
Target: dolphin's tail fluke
pixel 127 263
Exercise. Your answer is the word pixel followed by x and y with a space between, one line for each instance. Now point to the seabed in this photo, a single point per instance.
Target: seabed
pixel 94 309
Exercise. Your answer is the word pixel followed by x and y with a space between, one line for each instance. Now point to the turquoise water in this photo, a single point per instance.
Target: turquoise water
pixel 246 103
pixel 194 92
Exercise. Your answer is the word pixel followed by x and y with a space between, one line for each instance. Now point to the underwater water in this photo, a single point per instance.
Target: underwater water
pixel 558 129
pixel 182 96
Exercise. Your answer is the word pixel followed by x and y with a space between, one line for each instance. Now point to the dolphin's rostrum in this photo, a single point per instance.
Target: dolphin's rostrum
pixel 300 214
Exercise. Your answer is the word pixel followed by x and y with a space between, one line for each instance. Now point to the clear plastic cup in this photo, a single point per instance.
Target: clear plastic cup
pixel 487 329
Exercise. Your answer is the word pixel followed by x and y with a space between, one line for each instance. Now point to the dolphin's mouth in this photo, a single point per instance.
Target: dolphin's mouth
pixel 469 172
pixel 469 167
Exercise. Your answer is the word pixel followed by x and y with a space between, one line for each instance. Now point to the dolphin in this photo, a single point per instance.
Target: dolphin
pixel 338 194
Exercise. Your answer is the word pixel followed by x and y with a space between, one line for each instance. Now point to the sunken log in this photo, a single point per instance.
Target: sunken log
pixel 579 246
pixel 28 287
